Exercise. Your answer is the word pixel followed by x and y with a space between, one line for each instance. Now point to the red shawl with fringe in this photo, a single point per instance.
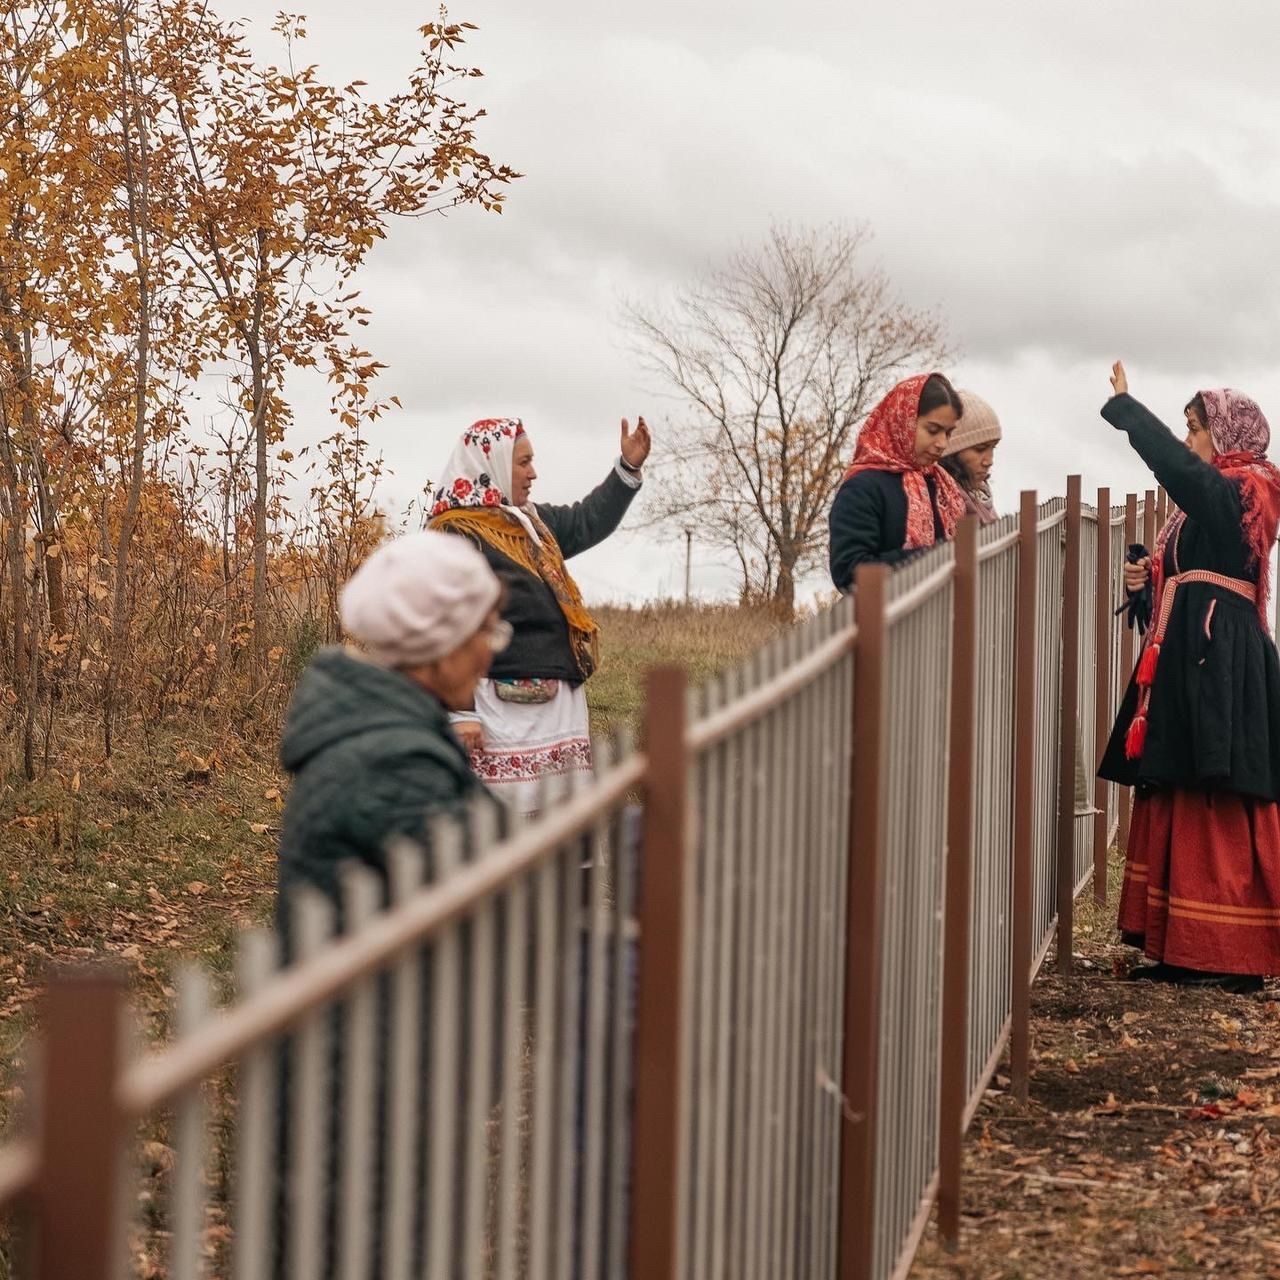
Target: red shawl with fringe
pixel 887 442
pixel 1241 436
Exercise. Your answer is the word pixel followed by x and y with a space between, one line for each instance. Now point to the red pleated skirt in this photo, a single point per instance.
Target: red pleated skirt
pixel 1202 881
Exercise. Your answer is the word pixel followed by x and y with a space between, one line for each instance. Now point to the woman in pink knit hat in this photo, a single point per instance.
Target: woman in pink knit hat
pixel 971 454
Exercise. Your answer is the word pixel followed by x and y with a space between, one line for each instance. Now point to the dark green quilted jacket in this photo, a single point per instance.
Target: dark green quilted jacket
pixel 372 757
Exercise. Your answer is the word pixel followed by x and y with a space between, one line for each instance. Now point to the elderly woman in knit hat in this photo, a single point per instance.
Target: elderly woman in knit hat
pixel 373 757
pixel 367 738
pixel 971 454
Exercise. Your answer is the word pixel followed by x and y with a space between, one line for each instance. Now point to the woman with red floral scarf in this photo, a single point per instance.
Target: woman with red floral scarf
pixel 896 500
pixel 1198 733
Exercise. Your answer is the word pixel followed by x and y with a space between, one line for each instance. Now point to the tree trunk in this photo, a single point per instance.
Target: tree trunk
pixel 261 479
pixel 784 589
pixel 14 523
pixel 55 595
pixel 14 511
pixel 55 591
pixel 136 189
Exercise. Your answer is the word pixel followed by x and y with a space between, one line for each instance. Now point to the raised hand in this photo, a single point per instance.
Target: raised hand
pixel 1136 575
pixel 1119 382
pixel 635 444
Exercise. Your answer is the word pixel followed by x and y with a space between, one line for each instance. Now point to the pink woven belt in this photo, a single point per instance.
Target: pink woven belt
pixel 1136 738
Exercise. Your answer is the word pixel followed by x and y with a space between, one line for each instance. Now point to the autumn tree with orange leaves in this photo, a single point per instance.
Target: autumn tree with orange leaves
pixel 55 259
pixel 169 210
pixel 288 183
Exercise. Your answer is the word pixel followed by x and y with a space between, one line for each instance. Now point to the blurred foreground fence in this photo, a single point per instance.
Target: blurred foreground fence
pixel 726 1010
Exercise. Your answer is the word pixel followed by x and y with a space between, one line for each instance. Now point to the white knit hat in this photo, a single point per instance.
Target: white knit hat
pixel 978 425
pixel 418 598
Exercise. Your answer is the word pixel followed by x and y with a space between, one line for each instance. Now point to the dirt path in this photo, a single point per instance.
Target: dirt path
pixel 1150 1145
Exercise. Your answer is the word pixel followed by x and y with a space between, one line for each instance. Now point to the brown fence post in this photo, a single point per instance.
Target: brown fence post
pixel 1149 515
pixel 862 955
pixel 1102 709
pixel 1069 729
pixel 656 1195
pixel 1127 659
pixel 1024 729
pixel 955 960
pixel 78 1204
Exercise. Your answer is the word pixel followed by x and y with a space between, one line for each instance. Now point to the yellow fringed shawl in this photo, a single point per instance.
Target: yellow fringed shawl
pixel 546 562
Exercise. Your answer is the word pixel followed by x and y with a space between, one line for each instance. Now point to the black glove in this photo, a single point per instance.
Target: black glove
pixel 1138 604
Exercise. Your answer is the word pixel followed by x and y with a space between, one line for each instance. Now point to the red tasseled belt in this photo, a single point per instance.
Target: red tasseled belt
pixel 1136 739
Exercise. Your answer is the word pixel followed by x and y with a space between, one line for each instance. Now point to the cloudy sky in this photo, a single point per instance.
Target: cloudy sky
pixel 1064 183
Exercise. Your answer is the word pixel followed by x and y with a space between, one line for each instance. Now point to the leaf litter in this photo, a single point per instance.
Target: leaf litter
pixel 1150 1144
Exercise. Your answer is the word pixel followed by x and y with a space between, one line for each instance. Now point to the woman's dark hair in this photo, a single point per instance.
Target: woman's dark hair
pixel 1196 405
pixel 938 393
pixel 956 469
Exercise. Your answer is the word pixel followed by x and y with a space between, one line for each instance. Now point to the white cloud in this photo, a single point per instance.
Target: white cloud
pixel 1065 182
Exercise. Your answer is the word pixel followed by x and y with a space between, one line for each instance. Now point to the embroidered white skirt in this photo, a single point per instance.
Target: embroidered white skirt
pixel 524 743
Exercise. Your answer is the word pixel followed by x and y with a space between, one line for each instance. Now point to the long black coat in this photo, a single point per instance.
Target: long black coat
pixel 1214 716
pixel 868 524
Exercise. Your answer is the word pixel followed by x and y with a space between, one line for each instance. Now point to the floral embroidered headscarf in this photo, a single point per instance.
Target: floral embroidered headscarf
pixel 887 442
pixel 478 473
pixel 474 499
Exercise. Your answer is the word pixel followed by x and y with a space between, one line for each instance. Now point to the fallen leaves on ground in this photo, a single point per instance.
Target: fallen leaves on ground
pixel 128 862
pixel 1150 1144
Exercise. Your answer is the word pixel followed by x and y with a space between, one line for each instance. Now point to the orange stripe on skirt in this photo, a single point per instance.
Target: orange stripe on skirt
pixel 1202 881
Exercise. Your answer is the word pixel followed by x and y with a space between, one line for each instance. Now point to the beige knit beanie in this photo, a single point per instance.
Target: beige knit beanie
pixel 978 425
pixel 418 598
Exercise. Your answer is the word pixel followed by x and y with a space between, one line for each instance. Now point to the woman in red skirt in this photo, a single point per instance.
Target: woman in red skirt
pixel 1198 734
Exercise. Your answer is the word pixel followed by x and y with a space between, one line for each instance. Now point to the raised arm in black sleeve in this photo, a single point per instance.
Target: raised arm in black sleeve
pixel 580 526
pixel 1202 491
pixel 859 525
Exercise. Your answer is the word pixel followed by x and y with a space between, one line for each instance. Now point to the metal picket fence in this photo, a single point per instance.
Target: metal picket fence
pixel 990 992
pixel 725 1010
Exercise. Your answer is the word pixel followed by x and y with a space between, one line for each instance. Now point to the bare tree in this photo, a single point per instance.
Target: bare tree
pixel 778 355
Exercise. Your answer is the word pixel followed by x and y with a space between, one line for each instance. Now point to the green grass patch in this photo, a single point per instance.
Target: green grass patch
pixel 703 639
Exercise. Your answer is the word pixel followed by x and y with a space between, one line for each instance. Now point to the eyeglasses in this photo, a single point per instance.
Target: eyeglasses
pixel 499 635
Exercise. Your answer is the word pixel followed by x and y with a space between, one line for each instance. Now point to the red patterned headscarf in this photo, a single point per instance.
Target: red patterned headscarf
pixel 1241 437
pixel 887 442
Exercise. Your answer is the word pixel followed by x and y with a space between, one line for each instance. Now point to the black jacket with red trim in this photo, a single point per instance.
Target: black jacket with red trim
pixel 1213 722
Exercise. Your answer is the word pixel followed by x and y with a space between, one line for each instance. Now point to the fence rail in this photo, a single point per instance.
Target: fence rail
pixel 735 1029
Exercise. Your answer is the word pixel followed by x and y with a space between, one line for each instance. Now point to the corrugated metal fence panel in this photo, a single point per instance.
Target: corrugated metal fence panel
pixel 991 885
pixel 1051 559
pixel 1119 676
pixel 767 993
pixel 1086 707
pixel 919 675
pixel 487 1071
